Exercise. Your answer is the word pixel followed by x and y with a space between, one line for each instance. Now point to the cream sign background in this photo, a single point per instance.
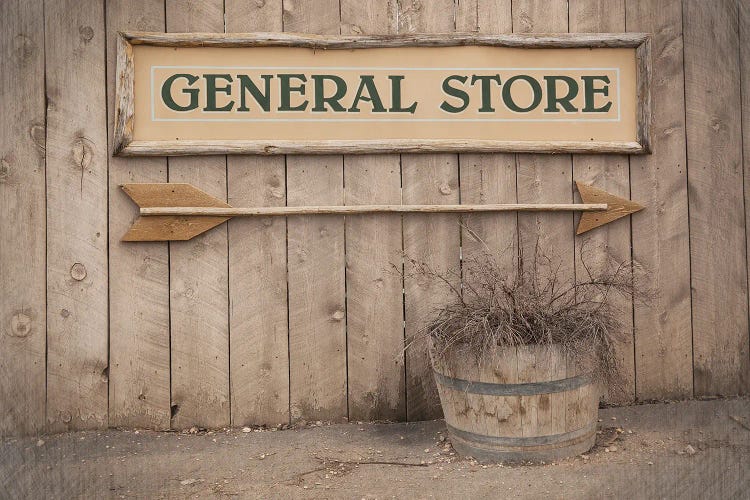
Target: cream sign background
pixel 202 94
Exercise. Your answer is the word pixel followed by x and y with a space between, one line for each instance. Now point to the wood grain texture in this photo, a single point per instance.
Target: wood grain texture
pixel 617 208
pixel 197 148
pixel 610 245
pixel 23 322
pixel 124 94
pixel 139 374
pixel 410 22
pixel 317 307
pixel 663 328
pixel 721 362
pixel 199 295
pixel 488 178
pixel 77 267
pixel 545 178
pixel 435 239
pixel 486 17
pixel 521 412
pixel 374 306
pixel 259 333
pixel 488 414
pixel 744 22
pixel 602 202
pixel 165 196
pixel 542 414
pixel 375 318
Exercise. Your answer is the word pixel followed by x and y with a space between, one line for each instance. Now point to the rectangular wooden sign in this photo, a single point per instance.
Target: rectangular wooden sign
pixel 184 94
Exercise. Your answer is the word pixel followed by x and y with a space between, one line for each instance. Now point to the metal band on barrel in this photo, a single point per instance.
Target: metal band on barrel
pixel 526 389
pixel 523 441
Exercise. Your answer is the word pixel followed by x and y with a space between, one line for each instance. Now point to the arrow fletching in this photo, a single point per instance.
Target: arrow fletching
pixel 170 227
pixel 616 207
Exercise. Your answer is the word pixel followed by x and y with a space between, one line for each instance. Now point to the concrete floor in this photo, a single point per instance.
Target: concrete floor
pixel 648 457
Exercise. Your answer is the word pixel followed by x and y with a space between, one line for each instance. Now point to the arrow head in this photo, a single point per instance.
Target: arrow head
pixel 616 207
pixel 170 227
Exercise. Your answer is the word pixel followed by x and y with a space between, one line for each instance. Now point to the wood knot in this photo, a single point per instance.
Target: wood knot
pixel 4 170
pixel 38 134
pixel 64 313
pixel 527 25
pixel 338 315
pixel 82 153
pixel 260 3
pixel 20 325
pixel 78 271
pixel 23 48
pixel 86 32
pixel 274 181
pixel 445 189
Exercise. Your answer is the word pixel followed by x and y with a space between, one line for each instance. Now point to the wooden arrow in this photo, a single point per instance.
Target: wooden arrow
pixel 178 212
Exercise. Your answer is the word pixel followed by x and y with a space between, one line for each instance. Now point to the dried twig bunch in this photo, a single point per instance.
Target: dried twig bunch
pixel 534 303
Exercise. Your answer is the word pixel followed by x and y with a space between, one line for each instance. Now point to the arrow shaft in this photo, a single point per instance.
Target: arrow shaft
pixel 370 209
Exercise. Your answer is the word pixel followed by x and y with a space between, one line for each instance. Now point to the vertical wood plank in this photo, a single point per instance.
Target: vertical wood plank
pixel 374 306
pixel 320 17
pixel 484 16
pixel 545 178
pixel 317 310
pixel 199 292
pixel 433 239
pixel 715 183
pixel 22 218
pixel 744 20
pixel 139 374
pixel 663 328
pixel 259 334
pixel 77 270
pixel 488 178
pixel 610 245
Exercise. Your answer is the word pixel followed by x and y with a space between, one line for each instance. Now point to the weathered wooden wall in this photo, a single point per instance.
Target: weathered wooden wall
pixel 267 321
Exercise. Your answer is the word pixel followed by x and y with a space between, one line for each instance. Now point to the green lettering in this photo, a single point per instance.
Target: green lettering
pixel 166 92
pixel 486 92
pixel 553 100
pixel 261 99
pixel 212 89
pixel 367 82
pixel 589 91
pixel 454 92
pixel 396 96
pixel 287 89
pixel 536 89
pixel 333 101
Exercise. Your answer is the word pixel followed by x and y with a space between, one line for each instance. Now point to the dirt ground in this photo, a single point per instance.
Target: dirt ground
pixel 692 449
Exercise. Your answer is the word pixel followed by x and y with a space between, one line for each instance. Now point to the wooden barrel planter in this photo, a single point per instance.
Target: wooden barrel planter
pixel 517 404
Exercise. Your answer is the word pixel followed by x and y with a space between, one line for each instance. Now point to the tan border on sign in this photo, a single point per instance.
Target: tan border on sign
pixel 125 145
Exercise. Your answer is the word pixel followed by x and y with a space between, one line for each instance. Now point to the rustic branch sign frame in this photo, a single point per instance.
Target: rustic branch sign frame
pixel 125 145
